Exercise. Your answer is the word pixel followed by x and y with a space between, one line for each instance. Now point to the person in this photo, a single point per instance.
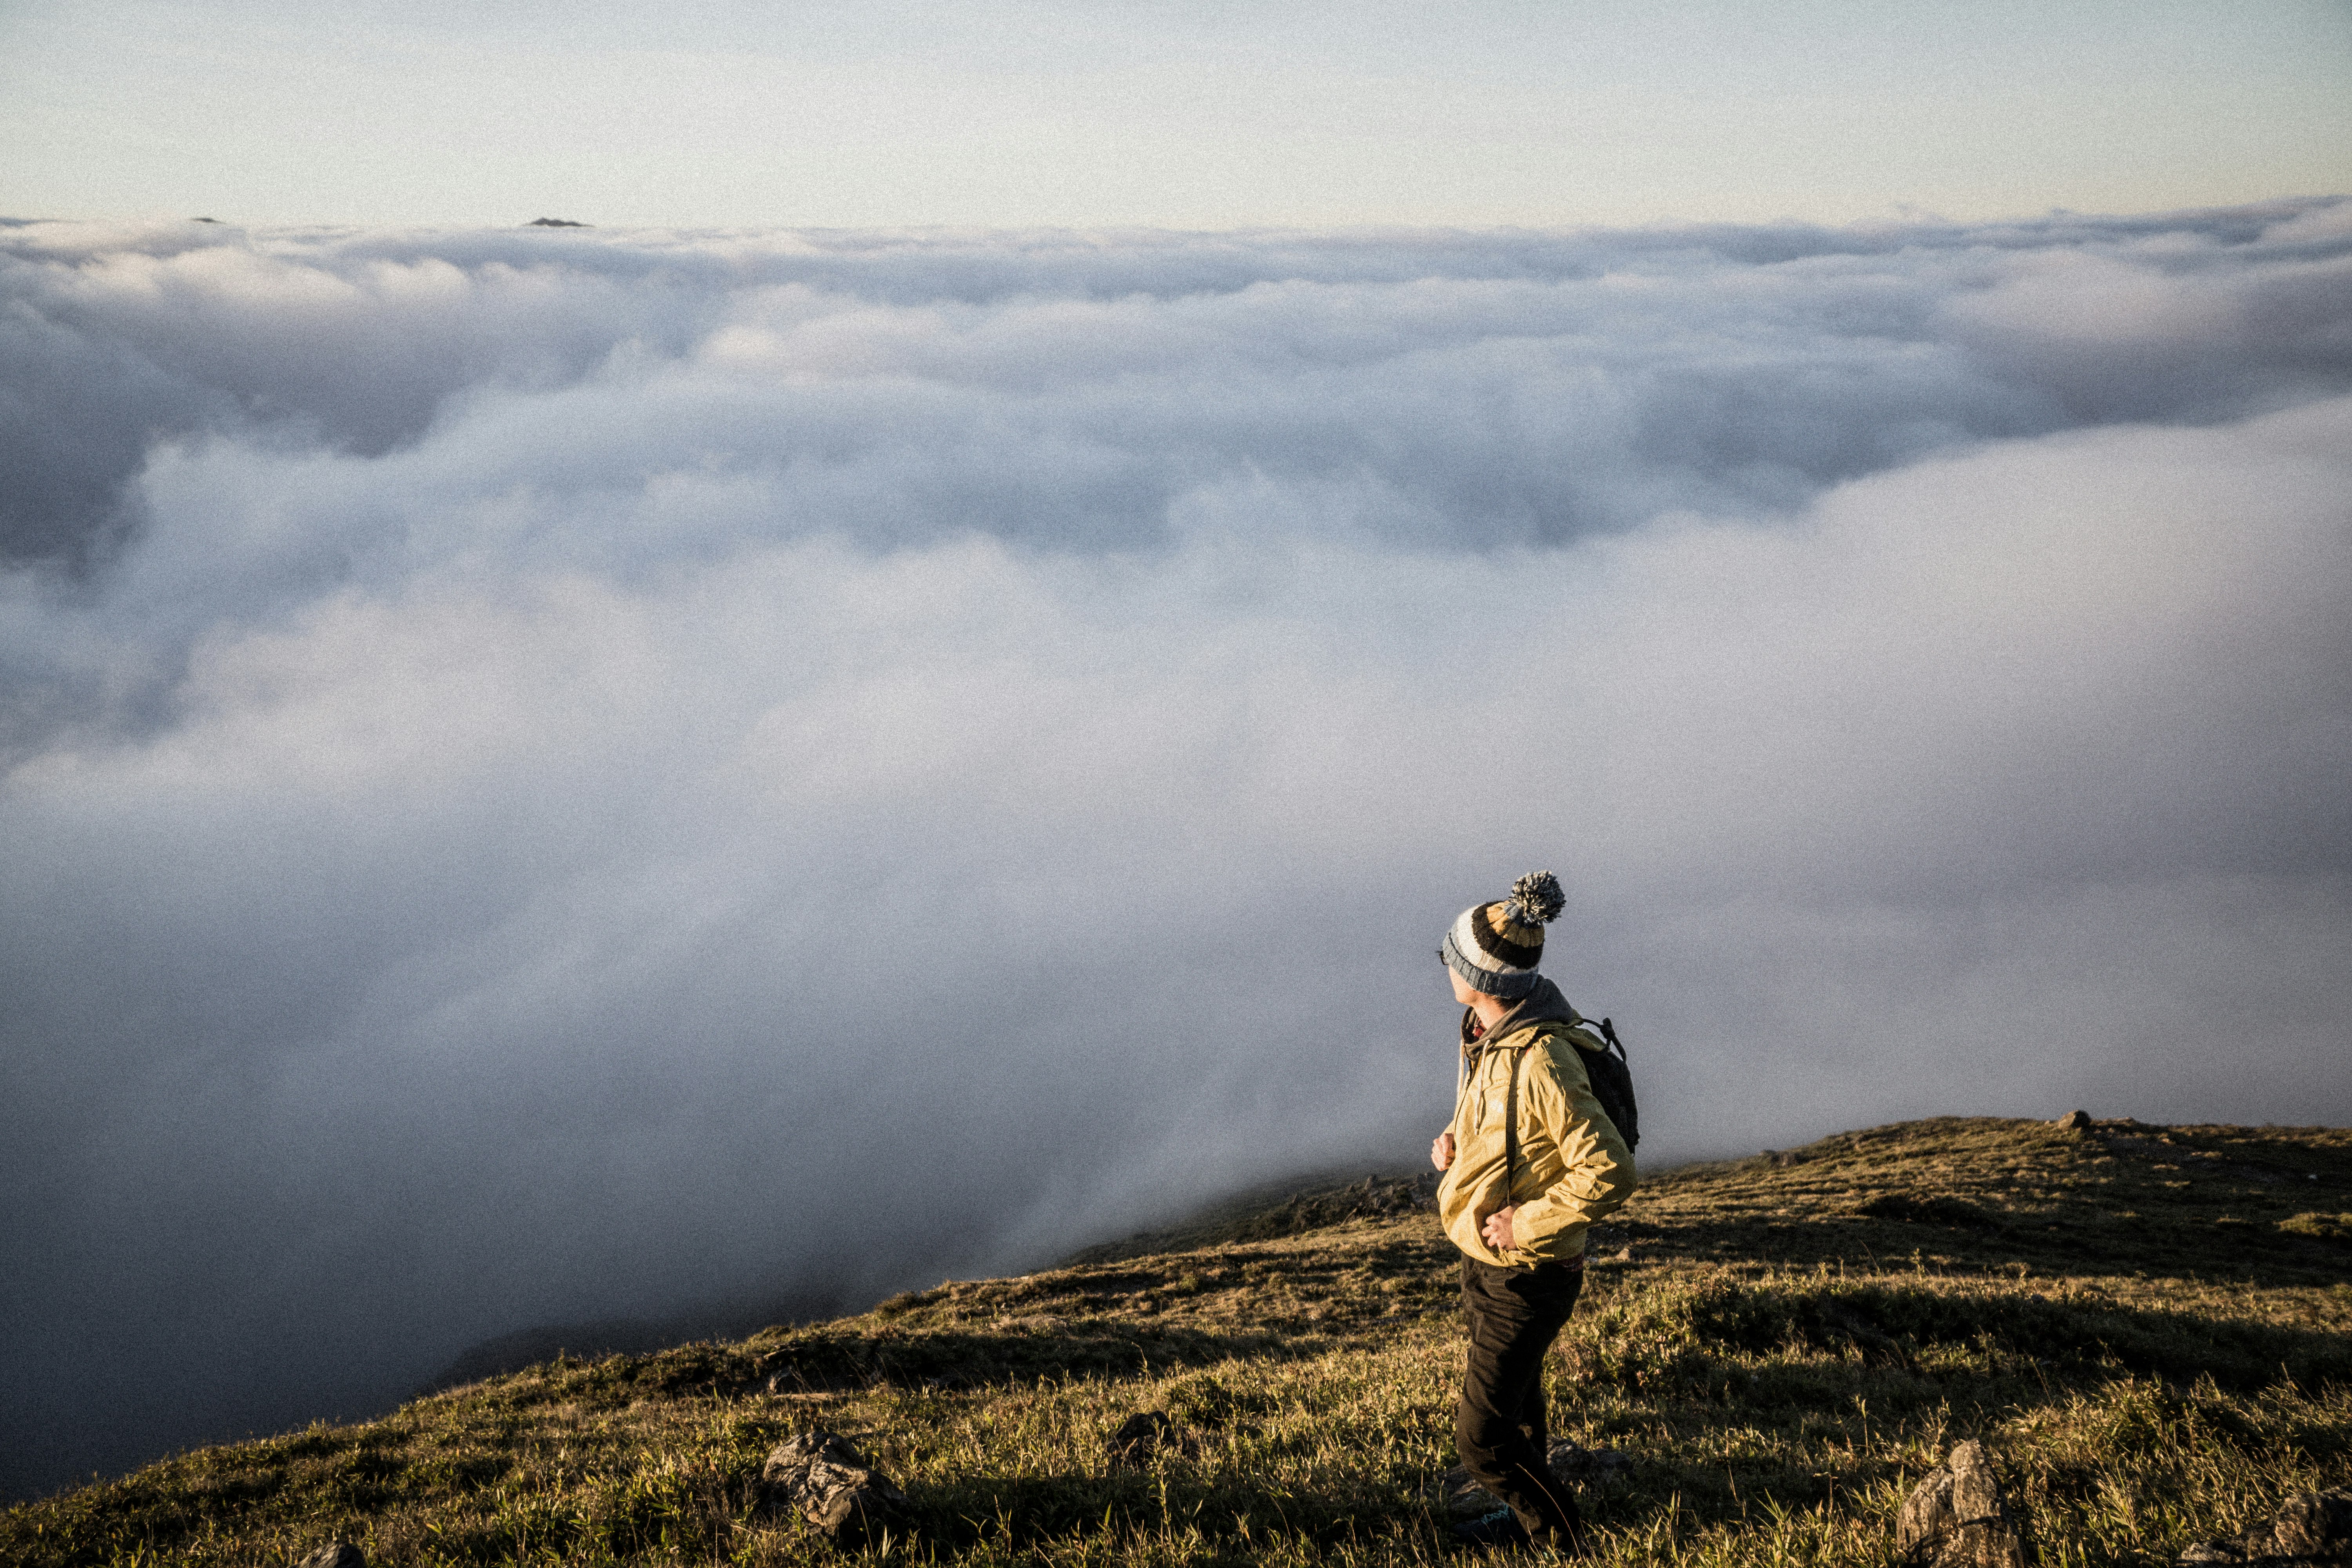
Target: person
pixel 1530 1162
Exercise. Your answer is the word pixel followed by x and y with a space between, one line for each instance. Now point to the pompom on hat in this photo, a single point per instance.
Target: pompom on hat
pixel 1495 947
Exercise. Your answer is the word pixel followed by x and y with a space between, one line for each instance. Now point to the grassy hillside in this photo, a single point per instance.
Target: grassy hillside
pixel 2149 1326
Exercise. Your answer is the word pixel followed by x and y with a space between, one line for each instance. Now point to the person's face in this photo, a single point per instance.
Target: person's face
pixel 1463 994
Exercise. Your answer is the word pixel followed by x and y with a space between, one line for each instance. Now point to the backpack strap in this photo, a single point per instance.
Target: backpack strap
pixel 1606 1029
pixel 1511 1130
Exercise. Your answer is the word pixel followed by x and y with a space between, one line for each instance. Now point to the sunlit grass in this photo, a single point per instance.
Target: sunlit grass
pixel 1780 1394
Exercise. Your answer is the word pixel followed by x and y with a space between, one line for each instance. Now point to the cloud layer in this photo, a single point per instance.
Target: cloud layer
pixel 559 774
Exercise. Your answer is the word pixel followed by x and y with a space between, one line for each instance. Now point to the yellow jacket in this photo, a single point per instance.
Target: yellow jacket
pixel 1570 1166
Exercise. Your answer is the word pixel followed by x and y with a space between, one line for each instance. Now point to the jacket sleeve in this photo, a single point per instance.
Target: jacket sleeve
pixel 1597 1177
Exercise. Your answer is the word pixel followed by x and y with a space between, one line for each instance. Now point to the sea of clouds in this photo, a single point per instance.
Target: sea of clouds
pixel 554 774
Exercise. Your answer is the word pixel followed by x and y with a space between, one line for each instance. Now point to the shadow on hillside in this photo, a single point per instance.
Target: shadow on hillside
pixel 952 1358
pixel 2121 1197
pixel 827 1360
pixel 1941 1334
pixel 1893 1231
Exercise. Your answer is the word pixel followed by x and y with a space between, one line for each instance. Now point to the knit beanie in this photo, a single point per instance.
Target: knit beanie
pixel 1495 947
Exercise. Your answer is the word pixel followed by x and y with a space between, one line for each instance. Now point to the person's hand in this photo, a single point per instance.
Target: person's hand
pixel 1441 1152
pixel 1498 1230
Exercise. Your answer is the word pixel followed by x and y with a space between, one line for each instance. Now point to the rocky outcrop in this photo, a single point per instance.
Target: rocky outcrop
pixel 2075 1122
pixel 1372 1198
pixel 824 1479
pixel 2313 1527
pixel 1957 1518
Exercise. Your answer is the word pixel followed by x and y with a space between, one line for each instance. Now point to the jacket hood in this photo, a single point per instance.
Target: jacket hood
pixel 1545 1004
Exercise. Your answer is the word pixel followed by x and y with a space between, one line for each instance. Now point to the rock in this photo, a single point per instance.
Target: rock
pixel 1146 1434
pixel 819 1476
pixel 1574 1468
pixel 2312 1527
pixel 1784 1158
pixel 1463 1497
pixel 335 1554
pixel 1588 1466
pixel 2075 1122
pixel 1957 1519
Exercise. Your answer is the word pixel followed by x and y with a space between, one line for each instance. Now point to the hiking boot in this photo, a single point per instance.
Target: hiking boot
pixel 1497 1531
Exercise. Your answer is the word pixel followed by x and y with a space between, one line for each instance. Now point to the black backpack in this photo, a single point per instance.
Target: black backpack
pixel 1613 1080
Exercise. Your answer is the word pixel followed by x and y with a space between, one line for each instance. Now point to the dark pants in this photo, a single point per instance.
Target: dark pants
pixel 1500 1428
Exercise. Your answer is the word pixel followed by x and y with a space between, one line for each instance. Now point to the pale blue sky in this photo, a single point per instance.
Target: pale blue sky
pixel 1212 114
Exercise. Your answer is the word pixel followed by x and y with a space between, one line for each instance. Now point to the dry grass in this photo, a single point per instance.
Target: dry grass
pixel 2149 1326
